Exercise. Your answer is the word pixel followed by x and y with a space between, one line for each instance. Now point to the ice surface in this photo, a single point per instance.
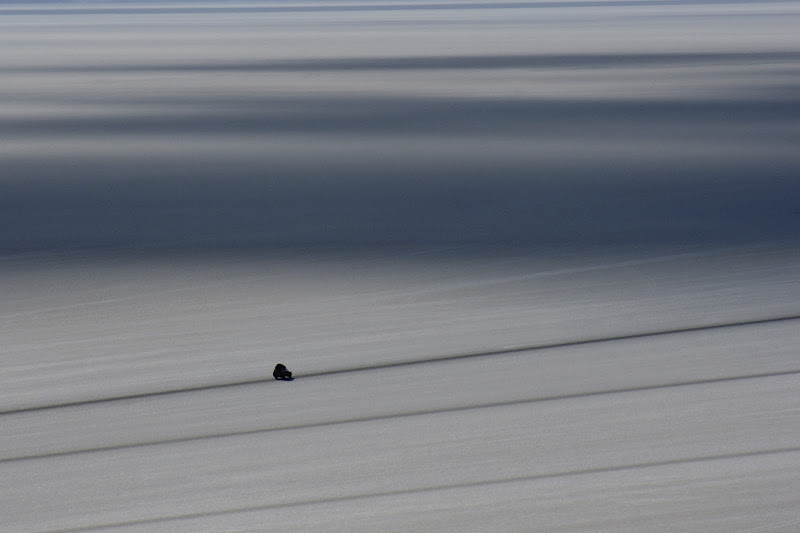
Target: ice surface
pixel 534 266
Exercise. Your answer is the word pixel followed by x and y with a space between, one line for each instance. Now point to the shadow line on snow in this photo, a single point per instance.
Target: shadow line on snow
pixel 422 361
pixel 427 490
pixel 374 418
pixel 354 7
pixel 441 62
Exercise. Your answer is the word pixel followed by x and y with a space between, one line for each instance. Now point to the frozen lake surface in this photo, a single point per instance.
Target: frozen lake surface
pixel 534 265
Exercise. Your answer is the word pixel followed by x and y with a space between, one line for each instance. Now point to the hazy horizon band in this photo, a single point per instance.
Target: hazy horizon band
pixel 259 125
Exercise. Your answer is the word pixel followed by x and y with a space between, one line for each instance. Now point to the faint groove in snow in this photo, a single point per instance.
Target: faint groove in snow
pixel 413 362
pixel 427 490
pixel 442 62
pixel 452 286
pixel 389 416
pixel 357 7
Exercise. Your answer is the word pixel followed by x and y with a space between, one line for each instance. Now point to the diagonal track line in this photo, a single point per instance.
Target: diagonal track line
pixel 374 418
pixel 550 346
pixel 347 7
pixel 412 362
pixel 431 489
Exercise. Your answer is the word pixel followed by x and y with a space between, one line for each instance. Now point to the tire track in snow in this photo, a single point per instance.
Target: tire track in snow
pixel 411 362
pixel 390 416
pixel 431 489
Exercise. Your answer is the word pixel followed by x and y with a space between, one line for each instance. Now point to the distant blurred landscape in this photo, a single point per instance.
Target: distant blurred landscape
pixel 267 124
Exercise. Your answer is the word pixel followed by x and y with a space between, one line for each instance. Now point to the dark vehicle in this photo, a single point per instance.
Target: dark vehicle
pixel 281 372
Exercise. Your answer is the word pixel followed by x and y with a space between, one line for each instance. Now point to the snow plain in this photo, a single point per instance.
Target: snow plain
pixel 141 408
pixel 535 267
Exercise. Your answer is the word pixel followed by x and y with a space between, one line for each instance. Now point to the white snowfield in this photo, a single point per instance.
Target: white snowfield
pixel 154 409
pixel 535 266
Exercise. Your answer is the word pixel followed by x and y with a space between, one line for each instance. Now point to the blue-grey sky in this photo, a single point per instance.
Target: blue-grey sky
pixel 208 124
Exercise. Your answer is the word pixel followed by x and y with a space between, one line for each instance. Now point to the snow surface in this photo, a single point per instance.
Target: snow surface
pixel 535 267
pixel 678 430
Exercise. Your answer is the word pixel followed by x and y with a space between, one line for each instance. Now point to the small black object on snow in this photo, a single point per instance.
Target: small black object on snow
pixel 281 372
